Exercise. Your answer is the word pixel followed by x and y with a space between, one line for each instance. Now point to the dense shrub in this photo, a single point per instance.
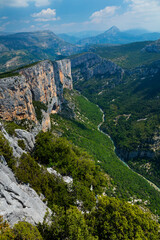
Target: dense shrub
pixel 21 144
pixel 116 219
pixel 39 106
pixel 26 231
pixel 6 151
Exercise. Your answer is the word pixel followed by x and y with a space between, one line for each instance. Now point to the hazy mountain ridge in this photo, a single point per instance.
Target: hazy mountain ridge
pixel 24 48
pixel 115 36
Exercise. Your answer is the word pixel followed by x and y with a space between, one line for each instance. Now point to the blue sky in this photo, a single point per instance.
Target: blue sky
pixel 78 15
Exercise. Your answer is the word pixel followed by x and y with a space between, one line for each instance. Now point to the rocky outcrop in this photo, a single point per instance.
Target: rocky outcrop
pixel 43 82
pixel 17 151
pixel 27 137
pixel 90 65
pixel 126 155
pixel 18 202
pixel 153 47
pixel 16 99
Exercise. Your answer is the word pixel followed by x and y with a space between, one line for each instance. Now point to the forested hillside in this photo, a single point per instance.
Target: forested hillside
pixel 78 122
pixel 131 106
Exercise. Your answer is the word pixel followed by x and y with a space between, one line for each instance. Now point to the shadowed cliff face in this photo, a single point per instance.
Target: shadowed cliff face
pixel 90 65
pixel 43 82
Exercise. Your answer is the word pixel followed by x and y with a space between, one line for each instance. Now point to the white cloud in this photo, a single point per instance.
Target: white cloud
pixel 131 14
pixel 23 3
pixel 45 15
pixel 3 26
pixel 142 13
pixel 40 3
pixel 99 16
pixel 4 18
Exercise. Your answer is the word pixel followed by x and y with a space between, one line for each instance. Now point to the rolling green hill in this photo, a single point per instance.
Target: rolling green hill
pixel 128 55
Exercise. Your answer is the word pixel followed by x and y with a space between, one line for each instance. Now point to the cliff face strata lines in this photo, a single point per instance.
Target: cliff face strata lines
pixel 16 99
pixel 43 82
pixel 89 65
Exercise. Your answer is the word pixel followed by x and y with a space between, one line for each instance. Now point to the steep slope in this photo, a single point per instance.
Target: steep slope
pixel 82 131
pixel 66 175
pixel 90 65
pixel 131 113
pixel 42 83
pixel 18 202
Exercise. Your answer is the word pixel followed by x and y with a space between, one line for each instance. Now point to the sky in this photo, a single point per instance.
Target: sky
pixel 65 16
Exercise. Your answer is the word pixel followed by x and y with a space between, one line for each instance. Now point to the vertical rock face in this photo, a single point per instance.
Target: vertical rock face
pixel 43 82
pixel 89 65
pixel 16 99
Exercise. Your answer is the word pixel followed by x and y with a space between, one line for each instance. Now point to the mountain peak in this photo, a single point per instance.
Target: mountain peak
pixel 113 29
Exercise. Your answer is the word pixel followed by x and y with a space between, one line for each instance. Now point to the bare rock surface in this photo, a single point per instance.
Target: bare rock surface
pixel 27 137
pixel 43 82
pixel 89 65
pixel 17 151
pixel 18 202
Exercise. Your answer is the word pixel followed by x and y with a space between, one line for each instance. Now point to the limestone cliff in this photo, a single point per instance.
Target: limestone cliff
pixel 43 82
pixel 89 65
pixel 18 202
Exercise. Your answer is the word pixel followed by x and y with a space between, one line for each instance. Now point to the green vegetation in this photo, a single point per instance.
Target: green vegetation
pixel 20 231
pixel 39 106
pixel 53 188
pixel 107 218
pixel 115 219
pixel 8 74
pixel 69 160
pixel 25 231
pixel 5 231
pixel 15 72
pixel 11 126
pixel 132 115
pixel 6 151
pixel 70 224
pixel 83 133
pixel 111 219
pixel 21 144
pixel 127 55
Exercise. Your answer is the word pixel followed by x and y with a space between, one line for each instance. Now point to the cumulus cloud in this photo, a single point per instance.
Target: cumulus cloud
pixel 99 16
pixel 23 3
pixel 45 15
pixel 132 14
pixel 141 13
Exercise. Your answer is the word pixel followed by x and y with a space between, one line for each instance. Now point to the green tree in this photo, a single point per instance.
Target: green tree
pixel 116 219
pixel 6 232
pixel 26 231
pixel 6 151
pixel 69 224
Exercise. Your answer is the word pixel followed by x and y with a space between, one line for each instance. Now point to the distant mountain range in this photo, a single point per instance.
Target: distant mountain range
pixel 24 48
pixel 75 37
pixel 27 47
pixel 113 36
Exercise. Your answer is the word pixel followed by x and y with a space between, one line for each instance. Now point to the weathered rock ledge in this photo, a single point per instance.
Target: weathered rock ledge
pixel 18 202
